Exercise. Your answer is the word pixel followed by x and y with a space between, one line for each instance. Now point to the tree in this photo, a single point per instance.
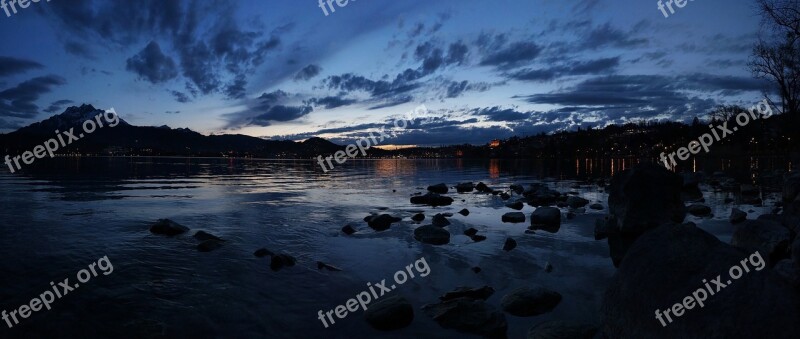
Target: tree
pixel 724 113
pixel 776 56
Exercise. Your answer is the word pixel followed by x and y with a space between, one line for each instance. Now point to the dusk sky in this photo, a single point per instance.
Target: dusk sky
pixel 285 70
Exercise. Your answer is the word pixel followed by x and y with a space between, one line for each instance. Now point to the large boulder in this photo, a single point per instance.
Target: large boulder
pixel 530 301
pixel 514 217
pixel 540 195
pixel 768 237
pixel 546 218
pixel 390 313
pixel 737 216
pixel 168 227
pixel 644 197
pixel 576 202
pixel 438 188
pixel 432 199
pixel 670 264
pixel 469 316
pixel 465 187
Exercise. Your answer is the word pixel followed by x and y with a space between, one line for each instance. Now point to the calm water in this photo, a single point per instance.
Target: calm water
pixel 65 214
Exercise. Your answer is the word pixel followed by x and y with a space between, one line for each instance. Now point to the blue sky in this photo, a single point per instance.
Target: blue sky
pixel 284 70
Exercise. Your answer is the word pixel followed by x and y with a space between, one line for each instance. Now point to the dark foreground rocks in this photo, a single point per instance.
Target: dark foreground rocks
pixel 432 235
pixel 768 237
pixel 482 293
pixel 381 222
pixel 470 316
pixel 546 218
pixel 390 313
pixel 432 199
pixel 514 217
pixel 168 227
pixel 530 301
pixel 669 263
pixel 280 261
pixel 562 330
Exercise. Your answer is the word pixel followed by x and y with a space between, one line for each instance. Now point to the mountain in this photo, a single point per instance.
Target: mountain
pixel 126 139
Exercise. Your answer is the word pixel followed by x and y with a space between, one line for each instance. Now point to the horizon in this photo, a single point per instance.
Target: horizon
pixel 484 71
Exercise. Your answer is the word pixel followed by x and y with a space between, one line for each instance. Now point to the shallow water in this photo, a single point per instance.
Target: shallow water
pixel 63 215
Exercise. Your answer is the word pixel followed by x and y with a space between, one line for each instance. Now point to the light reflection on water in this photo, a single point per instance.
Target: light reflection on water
pixel 62 215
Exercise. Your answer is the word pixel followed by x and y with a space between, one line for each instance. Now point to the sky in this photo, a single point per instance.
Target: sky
pixel 482 70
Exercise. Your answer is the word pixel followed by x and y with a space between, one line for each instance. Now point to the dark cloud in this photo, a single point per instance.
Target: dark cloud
pixel 281 113
pixel 236 89
pixel 454 89
pixel 79 49
pixel 577 68
pixel 57 106
pixel 180 97
pixel 20 101
pixel 499 114
pixel 152 65
pixel 307 73
pixel 513 55
pixel 607 36
pixel 11 66
pixel 331 102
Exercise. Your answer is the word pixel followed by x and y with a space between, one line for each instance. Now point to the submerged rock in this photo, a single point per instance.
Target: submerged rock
pixel 737 216
pixel 438 188
pixel 432 235
pixel 262 252
pixel 477 238
pixel 530 301
pixel 381 222
pixel 469 316
pixel 517 205
pixel 432 199
pixel 514 217
pixel 321 265
pixel 546 218
pixel 576 202
pixel 348 229
pixel 209 245
pixel 203 236
pixel 279 261
pixel 596 207
pixel 465 187
pixel 470 232
pixel 509 245
pixel 168 227
pixel 389 313
pixel 699 210
pixel 439 220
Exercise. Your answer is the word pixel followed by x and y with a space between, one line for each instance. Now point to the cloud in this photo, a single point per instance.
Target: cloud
pixel 57 106
pixel 607 36
pixel 499 114
pixel 20 101
pixel 152 65
pixel 180 96
pixel 513 55
pixel 597 66
pixel 307 73
pixel 11 66
pixel 281 114
pixel 78 49
pixel 332 102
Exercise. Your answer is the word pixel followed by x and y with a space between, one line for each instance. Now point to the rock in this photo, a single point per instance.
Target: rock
pixel 432 235
pixel 690 191
pixel 438 188
pixel 518 189
pixel 477 238
pixel 440 221
pixel 768 237
pixel 602 227
pixel 576 202
pixel 390 313
pixel 514 217
pixel 481 187
pixel 381 222
pixel 476 269
pixel 548 267
pixel 555 329
pixel 517 205
pixel 470 232
pixel 321 265
pixel 789 272
pixel 561 204
pixel 796 251
pixel 505 196
pixel 203 236
pixel 530 301
pixel 419 217
pixel 349 230
pixel 597 207
pixel 432 199
pixel 482 293
pixel 791 194
pixel 464 212
pixel 748 189
pixel 699 210
pixel 209 245
pixel 509 245
pixel 262 252
pixel 465 187
pixel 168 227
pixel 547 219
pixel 640 199
pixel 469 316
pixel 668 264
pixel 280 261
pixel 541 195
pixel 737 216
